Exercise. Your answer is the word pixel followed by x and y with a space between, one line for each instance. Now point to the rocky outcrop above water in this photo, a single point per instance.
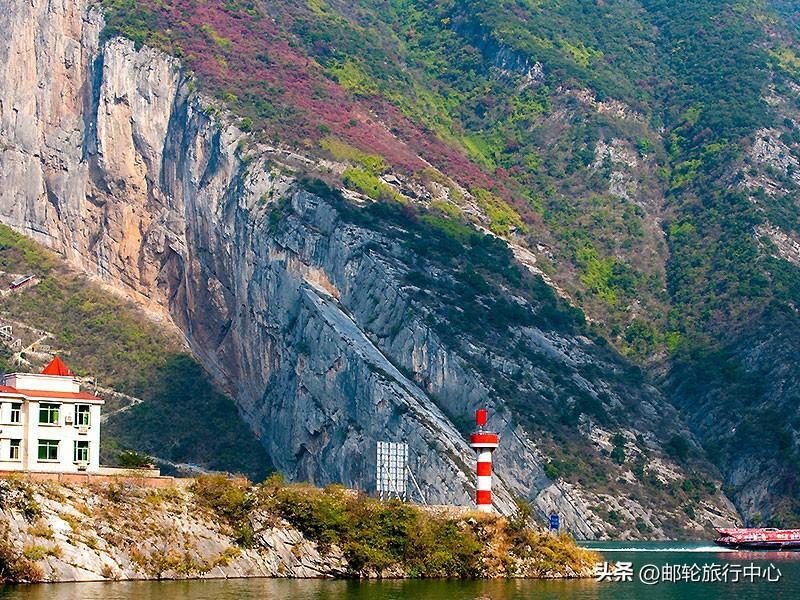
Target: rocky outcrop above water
pixel 308 317
pixel 74 533
pixel 214 528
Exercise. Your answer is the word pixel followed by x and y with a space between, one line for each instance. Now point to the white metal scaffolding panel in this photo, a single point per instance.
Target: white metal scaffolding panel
pixel 392 470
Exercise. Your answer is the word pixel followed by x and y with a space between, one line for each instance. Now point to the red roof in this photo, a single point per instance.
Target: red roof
pixel 7 389
pixel 57 367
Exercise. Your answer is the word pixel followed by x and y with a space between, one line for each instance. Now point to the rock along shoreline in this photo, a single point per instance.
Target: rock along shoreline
pixel 214 527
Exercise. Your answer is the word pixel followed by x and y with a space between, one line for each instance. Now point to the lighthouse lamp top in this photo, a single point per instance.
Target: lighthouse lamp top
pixel 482 438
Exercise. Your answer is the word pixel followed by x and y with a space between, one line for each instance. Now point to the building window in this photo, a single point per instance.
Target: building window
pixel 81 453
pixel 48 449
pixel 82 415
pixel 16 412
pixel 13 453
pixel 48 414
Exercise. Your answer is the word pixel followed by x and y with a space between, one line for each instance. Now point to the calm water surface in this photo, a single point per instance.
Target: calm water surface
pixel 638 553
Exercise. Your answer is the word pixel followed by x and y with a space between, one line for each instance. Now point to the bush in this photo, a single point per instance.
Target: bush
pixel 41 529
pixel 115 492
pixel 16 494
pixel 618 454
pixel 231 500
pixel 678 448
pixel 226 497
pixel 130 459
pixel 375 536
pixel 367 183
pixel 36 552
pixel 14 566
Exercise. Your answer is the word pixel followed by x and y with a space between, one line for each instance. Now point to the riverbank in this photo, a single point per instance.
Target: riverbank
pixel 221 528
pixel 730 581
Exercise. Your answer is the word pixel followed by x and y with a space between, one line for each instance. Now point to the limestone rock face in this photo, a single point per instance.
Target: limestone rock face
pixel 303 316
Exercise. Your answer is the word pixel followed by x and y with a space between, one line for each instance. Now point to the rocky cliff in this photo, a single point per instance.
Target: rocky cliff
pixel 329 328
pixel 73 533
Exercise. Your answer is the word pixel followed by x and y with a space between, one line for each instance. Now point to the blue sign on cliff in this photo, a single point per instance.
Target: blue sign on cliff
pixel 555 522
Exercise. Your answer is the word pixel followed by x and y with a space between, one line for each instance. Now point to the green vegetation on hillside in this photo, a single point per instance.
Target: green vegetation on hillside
pixel 482 265
pixel 183 418
pixel 453 68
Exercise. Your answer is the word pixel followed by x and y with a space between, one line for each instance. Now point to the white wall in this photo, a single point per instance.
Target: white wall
pixel 46 383
pixel 66 436
pixel 8 432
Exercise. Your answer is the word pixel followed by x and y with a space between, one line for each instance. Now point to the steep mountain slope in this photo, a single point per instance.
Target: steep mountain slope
pixel 603 125
pixel 648 150
pixel 334 326
pixel 640 156
pixel 158 398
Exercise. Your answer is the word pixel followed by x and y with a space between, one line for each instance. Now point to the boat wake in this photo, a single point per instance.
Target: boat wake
pixel 696 549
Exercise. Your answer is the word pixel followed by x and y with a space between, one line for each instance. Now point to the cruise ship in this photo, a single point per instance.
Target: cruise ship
pixel 759 538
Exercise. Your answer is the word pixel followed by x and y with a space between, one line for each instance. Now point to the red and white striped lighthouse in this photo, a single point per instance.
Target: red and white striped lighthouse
pixel 484 443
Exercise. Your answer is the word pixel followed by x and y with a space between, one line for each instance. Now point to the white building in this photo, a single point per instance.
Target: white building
pixel 47 423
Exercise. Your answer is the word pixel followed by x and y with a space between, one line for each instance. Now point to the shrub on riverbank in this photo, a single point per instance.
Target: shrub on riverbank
pixel 14 565
pixel 379 537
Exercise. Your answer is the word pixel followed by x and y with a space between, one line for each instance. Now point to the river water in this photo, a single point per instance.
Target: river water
pixel 745 575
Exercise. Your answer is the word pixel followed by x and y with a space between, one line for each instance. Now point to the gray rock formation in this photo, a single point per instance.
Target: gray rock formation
pixel 128 533
pixel 302 314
